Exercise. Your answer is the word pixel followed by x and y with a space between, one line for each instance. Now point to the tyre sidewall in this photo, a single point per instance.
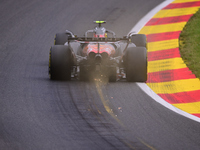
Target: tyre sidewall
pixel 136 64
pixel 139 40
pixel 61 38
pixel 60 62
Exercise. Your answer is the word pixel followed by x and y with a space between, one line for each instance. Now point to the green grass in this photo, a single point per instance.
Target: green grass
pixel 189 43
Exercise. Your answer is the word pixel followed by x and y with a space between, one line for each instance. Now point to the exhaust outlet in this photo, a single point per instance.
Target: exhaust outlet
pixel 98 58
pixel 91 55
pixel 104 55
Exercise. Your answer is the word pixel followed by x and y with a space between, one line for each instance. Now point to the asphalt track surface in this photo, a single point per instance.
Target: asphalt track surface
pixel 36 113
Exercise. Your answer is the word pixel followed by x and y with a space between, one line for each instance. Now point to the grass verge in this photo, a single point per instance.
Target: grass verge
pixel 189 44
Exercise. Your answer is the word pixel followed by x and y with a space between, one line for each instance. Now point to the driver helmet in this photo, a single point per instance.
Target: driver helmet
pixel 100 32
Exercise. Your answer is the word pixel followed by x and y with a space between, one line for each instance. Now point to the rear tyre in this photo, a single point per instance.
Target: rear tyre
pixel 112 74
pixel 60 62
pixel 83 75
pixel 61 38
pixel 135 61
pixel 139 40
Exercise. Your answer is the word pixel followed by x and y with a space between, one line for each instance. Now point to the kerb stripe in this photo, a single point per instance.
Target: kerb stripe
pixel 163 54
pixel 182 97
pixel 168 20
pixel 163 36
pixel 182 5
pixel 170 75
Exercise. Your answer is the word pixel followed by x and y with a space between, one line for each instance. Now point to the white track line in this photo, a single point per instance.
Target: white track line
pixel 144 86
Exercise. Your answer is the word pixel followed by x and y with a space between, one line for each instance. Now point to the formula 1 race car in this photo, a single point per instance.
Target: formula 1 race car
pixel 99 53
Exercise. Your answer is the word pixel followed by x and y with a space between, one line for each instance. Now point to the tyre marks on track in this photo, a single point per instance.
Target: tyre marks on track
pixel 168 75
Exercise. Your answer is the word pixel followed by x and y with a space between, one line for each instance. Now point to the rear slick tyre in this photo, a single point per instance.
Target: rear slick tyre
pixel 61 38
pixel 112 74
pixel 136 64
pixel 60 62
pixel 139 40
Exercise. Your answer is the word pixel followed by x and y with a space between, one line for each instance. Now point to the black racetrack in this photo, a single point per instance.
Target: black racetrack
pixel 39 114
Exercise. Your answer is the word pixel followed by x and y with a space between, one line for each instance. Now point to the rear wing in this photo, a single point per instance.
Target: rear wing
pixel 98 40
